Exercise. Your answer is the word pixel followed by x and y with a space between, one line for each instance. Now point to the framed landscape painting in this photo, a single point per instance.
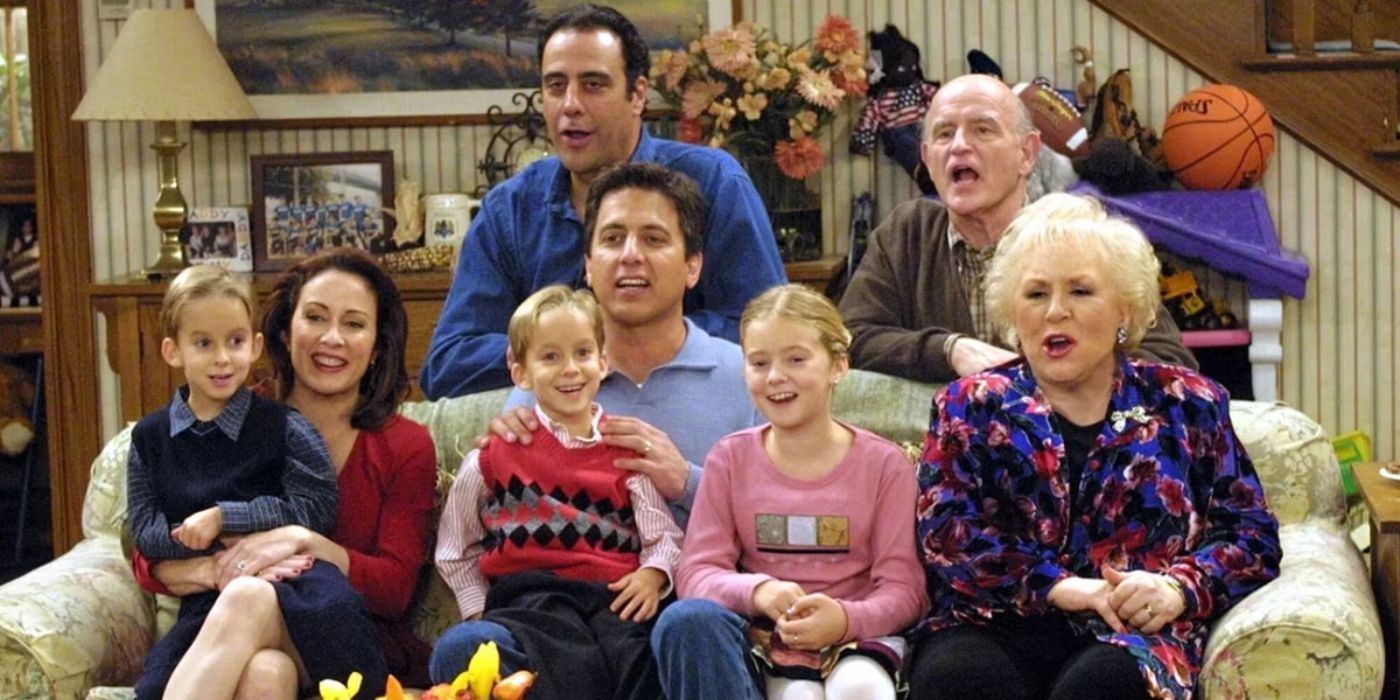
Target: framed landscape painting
pixel 421 59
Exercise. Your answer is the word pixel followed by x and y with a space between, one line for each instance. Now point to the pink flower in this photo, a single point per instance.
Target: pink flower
pixel 817 89
pixel 673 68
pixel 698 96
pixel 800 158
pixel 730 50
pixel 835 36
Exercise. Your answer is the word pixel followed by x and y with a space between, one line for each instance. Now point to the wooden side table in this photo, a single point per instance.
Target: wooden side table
pixel 821 275
pixel 1383 500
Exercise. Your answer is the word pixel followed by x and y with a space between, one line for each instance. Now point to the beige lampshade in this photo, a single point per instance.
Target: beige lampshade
pixel 164 67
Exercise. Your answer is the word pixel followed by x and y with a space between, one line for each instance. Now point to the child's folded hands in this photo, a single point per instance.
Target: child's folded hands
pixel 813 622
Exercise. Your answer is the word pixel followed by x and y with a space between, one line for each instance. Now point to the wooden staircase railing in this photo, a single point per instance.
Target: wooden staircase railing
pixel 1345 104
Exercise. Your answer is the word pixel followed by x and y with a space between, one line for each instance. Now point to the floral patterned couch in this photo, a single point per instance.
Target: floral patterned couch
pixel 81 622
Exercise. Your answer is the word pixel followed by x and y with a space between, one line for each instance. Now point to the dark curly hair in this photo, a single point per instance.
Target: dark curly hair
pixel 385 384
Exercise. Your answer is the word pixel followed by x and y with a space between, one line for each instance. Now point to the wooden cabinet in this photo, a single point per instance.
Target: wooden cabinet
pixel 132 310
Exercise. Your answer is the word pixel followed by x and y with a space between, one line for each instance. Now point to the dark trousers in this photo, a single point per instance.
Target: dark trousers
pixel 582 650
pixel 1016 658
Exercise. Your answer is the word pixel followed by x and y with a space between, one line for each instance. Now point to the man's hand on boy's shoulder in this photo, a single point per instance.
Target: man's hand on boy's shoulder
pixel 639 594
pixel 657 458
pixel 515 425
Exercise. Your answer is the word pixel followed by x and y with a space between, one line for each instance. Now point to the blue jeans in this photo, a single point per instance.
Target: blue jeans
pixel 456 647
pixel 701 650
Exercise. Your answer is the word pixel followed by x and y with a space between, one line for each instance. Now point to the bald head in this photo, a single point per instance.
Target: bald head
pixel 979 147
pixel 1013 109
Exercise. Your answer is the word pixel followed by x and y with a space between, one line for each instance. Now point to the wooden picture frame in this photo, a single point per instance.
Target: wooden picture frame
pixel 307 202
pixel 332 97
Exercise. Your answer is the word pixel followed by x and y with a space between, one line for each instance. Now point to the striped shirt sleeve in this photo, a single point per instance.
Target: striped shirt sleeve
pixel 149 528
pixel 661 539
pixel 460 533
pixel 309 488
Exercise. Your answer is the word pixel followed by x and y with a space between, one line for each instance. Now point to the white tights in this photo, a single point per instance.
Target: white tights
pixel 854 678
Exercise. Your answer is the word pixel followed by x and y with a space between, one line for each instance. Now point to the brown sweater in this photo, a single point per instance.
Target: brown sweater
pixel 905 299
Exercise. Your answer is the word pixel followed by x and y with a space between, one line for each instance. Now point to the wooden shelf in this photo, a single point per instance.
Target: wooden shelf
pixel 21 331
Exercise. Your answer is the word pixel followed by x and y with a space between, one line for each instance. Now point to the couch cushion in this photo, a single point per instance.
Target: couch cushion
pixel 104 506
pixel 893 408
pixel 455 424
pixel 1294 459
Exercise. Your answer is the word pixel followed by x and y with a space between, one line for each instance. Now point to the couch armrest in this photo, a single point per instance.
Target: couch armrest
pixel 76 622
pixel 1311 633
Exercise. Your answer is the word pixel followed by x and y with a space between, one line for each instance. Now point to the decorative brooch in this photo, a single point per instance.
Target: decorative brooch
pixel 1137 414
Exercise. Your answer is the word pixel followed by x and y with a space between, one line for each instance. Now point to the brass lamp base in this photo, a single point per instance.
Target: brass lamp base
pixel 171 259
pixel 170 209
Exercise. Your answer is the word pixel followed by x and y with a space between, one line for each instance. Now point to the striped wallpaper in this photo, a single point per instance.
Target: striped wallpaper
pixel 1338 341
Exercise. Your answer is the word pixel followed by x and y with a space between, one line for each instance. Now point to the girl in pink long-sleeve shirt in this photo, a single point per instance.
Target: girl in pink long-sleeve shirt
pixel 803 527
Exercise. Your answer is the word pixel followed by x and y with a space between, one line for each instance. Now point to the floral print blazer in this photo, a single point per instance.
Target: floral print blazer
pixel 1167 488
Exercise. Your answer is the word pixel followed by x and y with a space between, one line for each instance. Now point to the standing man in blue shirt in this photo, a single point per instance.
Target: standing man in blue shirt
pixel 529 232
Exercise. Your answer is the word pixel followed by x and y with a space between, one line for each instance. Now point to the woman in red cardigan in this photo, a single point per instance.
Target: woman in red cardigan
pixel 336 331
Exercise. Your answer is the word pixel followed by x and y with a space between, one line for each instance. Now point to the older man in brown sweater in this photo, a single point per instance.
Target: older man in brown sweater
pixel 915 306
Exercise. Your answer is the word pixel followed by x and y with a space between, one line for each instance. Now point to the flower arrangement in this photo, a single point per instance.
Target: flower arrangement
pixel 741 89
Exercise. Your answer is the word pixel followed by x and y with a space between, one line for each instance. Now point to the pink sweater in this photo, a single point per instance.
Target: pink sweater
pixel 849 534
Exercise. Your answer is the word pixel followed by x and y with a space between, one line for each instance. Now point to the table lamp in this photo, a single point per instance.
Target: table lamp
pixel 165 68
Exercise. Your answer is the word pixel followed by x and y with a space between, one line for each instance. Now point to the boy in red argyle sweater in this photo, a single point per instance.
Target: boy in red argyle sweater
pixel 553 552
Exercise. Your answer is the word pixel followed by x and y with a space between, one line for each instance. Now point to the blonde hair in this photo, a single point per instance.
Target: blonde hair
pixel 804 305
pixel 199 282
pixel 1082 224
pixel 557 296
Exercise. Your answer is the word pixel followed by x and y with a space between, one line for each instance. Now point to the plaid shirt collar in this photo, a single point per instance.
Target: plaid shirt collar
pixel 229 421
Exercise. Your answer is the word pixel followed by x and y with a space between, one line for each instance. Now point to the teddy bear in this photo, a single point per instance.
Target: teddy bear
pixel 894 111
pixel 16 399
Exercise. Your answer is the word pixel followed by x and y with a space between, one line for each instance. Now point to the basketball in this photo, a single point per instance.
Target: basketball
pixel 1218 137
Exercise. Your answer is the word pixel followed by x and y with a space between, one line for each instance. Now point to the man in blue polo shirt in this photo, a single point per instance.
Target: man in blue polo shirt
pixel 529 233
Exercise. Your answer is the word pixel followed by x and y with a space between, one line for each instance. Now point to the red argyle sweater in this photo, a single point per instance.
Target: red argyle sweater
pixel 556 509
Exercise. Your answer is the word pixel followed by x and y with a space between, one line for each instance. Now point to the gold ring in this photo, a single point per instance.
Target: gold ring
pixel 1150 613
pixel 646 447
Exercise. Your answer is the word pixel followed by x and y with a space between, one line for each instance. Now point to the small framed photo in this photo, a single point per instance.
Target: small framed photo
pixel 218 236
pixel 19 256
pixel 304 203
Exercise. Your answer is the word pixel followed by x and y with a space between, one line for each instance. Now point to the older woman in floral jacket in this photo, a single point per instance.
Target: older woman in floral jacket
pixel 1083 517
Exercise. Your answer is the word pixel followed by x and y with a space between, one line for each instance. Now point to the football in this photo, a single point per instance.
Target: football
pixel 1060 125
